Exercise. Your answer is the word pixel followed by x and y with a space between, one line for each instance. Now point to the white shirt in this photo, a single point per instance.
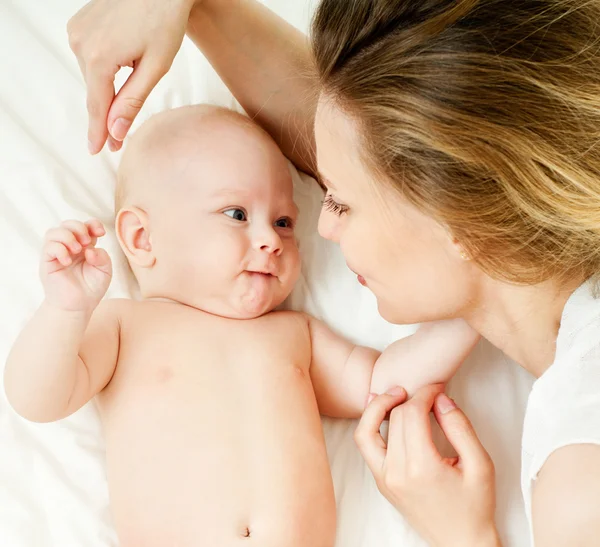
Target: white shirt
pixel 564 404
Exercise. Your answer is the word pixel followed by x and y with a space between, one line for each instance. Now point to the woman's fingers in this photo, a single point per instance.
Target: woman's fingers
pixel 459 431
pixel 367 435
pixel 417 424
pixel 100 95
pixel 132 96
pixel 106 35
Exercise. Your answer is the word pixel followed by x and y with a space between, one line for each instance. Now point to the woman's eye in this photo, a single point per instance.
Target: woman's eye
pixel 334 207
pixel 236 214
pixel 284 222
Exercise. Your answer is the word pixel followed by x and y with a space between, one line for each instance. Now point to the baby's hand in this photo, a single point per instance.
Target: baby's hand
pixel 74 273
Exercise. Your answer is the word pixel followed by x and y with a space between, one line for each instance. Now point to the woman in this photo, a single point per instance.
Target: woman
pixel 457 142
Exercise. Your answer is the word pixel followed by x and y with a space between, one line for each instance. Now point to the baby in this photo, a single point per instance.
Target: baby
pixel 209 399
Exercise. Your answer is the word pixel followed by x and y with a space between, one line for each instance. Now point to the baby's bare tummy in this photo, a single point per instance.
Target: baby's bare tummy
pixel 214 459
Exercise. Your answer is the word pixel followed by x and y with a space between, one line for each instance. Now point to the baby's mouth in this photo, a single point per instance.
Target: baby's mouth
pixel 262 273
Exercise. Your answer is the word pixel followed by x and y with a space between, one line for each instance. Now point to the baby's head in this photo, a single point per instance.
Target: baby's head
pixel 205 212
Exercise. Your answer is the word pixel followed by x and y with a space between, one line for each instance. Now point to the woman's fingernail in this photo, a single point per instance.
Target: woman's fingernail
pixel 444 403
pixel 120 128
pixel 111 145
pixel 396 391
pixel 370 398
pixel 91 147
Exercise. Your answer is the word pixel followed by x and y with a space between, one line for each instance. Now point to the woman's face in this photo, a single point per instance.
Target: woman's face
pixel 407 259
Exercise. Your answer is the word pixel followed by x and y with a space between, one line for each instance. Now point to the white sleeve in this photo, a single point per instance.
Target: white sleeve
pixel 567 407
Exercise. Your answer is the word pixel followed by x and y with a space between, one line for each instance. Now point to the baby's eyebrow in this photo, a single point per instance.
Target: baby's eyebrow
pixel 236 193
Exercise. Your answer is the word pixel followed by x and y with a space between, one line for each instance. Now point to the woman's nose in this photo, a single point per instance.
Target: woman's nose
pixel 328 226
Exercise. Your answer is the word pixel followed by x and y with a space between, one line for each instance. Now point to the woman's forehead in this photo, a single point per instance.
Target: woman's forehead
pixel 341 164
pixel 339 152
pixel 343 170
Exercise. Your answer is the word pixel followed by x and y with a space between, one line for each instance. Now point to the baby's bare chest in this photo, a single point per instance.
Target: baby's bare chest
pixel 183 353
pixel 202 410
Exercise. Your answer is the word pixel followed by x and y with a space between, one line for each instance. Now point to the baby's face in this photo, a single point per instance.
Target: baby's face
pixel 223 234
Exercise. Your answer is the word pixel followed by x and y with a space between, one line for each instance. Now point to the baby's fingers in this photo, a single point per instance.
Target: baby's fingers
pixel 80 230
pixel 99 259
pixel 64 236
pixel 54 250
pixel 95 228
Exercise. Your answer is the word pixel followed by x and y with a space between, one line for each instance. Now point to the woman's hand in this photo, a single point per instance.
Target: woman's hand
pixel 106 35
pixel 449 501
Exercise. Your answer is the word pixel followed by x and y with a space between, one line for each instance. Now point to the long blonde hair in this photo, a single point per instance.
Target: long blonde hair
pixel 484 114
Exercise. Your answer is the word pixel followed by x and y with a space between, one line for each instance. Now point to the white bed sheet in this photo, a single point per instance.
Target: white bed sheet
pixel 52 478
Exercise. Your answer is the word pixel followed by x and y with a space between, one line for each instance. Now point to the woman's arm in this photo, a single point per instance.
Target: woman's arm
pixel 266 64
pixel 566 498
pixel 264 61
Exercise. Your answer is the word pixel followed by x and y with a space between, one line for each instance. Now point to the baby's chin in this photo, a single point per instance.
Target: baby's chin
pixel 250 297
pixel 252 305
pixel 256 294
pixel 248 305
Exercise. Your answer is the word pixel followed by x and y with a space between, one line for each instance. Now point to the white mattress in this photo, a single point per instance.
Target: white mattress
pixel 52 478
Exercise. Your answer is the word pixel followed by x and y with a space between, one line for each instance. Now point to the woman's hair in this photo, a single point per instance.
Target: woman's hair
pixel 484 114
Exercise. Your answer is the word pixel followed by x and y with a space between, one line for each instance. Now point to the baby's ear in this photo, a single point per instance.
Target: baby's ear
pixel 133 233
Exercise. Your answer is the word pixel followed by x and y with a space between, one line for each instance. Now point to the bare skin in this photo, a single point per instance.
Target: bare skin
pixel 209 399
pixel 255 472
pixel 266 64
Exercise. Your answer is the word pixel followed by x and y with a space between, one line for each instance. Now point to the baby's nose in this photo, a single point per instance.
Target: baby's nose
pixel 269 241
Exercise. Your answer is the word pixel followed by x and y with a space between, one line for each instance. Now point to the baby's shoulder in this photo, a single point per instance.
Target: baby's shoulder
pixel 114 314
pixel 110 310
pixel 115 308
pixel 297 318
pixel 289 322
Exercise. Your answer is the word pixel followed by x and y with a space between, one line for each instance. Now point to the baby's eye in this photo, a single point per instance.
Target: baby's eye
pixel 237 214
pixel 284 222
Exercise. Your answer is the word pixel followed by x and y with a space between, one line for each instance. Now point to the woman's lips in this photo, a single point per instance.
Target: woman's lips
pixel 361 280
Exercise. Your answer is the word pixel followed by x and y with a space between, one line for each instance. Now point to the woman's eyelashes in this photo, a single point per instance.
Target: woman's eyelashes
pixel 333 206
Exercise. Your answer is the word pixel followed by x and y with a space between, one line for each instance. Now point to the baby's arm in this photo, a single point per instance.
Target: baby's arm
pixel 430 356
pixel 340 372
pixel 343 374
pixel 68 350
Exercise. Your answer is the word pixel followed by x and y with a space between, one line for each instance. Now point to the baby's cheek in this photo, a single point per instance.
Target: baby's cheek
pixel 296 263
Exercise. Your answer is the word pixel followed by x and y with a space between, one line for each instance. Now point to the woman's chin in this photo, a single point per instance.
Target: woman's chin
pixel 397 315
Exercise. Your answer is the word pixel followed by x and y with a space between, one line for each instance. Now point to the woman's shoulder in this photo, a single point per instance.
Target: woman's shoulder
pixel 566 497
pixel 564 404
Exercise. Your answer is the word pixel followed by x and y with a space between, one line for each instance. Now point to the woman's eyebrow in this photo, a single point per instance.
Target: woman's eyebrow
pixel 323 181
